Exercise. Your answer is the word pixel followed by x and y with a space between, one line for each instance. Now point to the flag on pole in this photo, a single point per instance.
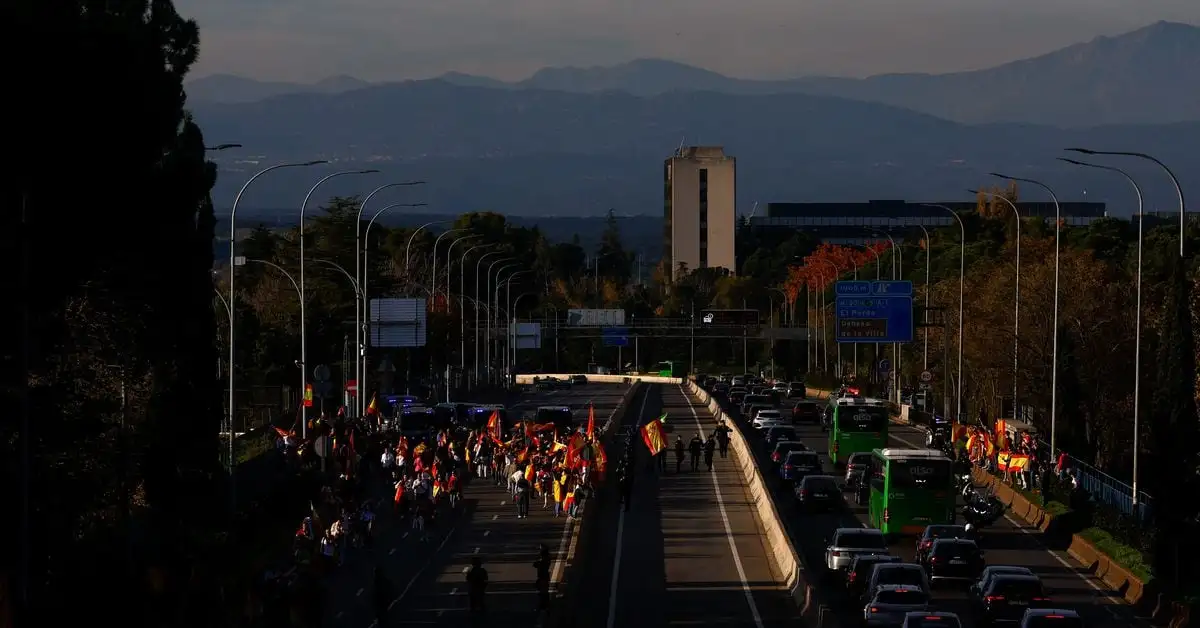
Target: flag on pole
pixel 652 435
pixel 663 418
pixel 371 407
pixel 591 428
pixel 493 427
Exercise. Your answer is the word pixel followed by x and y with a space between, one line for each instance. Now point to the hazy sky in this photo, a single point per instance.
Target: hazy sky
pixel 306 40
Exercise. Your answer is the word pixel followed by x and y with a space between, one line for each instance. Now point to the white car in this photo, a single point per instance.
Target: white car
pixel 766 416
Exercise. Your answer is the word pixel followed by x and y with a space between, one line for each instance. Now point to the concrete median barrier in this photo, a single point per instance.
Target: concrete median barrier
pixel 787 560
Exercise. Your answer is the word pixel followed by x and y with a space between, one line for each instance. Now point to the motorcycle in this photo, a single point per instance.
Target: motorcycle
pixel 980 512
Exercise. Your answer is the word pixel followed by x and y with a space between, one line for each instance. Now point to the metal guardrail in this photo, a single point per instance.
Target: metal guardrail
pixel 1103 487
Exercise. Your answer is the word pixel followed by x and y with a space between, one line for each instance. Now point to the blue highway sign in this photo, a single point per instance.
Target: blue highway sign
pixel 616 336
pixel 874 311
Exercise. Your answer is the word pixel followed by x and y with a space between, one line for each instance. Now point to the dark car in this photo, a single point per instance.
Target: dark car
pixel 931 619
pixel 778 434
pixel 858 574
pixel 856 465
pixel 806 412
pixel 908 574
pixel 1051 618
pixel 933 533
pixel 892 603
pixel 991 571
pixel 799 464
pixel 818 493
pixel 577 380
pixel 1008 596
pixel 796 389
pixel 736 396
pixel 954 559
pixel 783 448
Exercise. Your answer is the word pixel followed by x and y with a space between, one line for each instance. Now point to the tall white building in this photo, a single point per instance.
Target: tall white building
pixel 699 188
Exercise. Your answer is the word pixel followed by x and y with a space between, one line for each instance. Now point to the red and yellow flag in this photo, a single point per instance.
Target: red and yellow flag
pixel 591 428
pixel 574 448
pixel 373 408
pixel 652 435
pixel 601 458
pixel 493 427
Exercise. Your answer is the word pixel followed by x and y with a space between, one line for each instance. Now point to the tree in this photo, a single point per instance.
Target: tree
pixel 613 260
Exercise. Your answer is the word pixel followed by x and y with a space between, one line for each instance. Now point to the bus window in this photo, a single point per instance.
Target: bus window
pixel 416 420
pixel 934 475
pixel 560 416
pixel 862 418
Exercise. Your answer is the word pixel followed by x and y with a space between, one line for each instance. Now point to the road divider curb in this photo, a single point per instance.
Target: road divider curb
pixel 783 552
pixel 583 528
pixel 602 379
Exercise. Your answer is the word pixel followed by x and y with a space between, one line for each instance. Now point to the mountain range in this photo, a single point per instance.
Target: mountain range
pixel 1147 76
pixel 537 152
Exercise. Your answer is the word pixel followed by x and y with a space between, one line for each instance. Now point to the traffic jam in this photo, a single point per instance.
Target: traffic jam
pixel 892 532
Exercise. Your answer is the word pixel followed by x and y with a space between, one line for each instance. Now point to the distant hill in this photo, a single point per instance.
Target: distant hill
pixel 227 88
pixel 1147 76
pixel 531 152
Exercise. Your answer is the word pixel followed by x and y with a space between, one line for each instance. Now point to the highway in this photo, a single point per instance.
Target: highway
pixel 1009 542
pixel 427 577
pixel 689 550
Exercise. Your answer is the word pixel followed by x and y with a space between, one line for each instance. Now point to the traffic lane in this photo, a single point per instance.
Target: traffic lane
pixel 591 609
pixel 506 546
pixel 717 561
pixel 1004 544
pixel 1014 542
pixel 408 556
pixel 604 397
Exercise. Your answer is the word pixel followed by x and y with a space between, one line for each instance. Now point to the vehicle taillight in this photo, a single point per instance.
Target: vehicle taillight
pixel 775 457
pixel 835 447
pixel 874 609
pixel 1054 617
pixel 1041 599
pixel 994 598
pixel 801 493
pixel 926 544
pixel 852 577
pixel 835 554
pixel 787 467
pixel 886 515
pixel 933 560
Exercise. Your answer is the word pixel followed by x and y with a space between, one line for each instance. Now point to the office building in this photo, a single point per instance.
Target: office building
pixel 852 222
pixel 699 185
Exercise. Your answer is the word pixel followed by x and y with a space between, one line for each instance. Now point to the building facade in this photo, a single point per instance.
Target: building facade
pixel 699 188
pixel 853 222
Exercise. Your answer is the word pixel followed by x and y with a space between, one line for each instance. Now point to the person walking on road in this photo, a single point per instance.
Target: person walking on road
pixel 710 447
pixel 680 453
pixel 382 597
pixel 542 566
pixel 477 581
pixel 723 439
pixel 522 497
pixel 694 448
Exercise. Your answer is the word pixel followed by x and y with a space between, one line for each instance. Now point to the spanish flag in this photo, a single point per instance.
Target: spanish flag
pixel 493 427
pixel 372 408
pixel 529 474
pixel 601 459
pixel 652 435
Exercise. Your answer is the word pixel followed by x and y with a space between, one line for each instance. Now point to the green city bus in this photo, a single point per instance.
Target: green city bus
pixel 669 369
pixel 856 425
pixel 910 489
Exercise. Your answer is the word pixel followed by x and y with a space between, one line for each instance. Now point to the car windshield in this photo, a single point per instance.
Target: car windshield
pixel 907 574
pixel 901 596
pixel 803 459
pixel 954 549
pixel 862 540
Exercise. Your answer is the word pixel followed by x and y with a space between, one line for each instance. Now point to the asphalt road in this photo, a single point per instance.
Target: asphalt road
pixel 689 551
pixel 428 576
pixel 1009 542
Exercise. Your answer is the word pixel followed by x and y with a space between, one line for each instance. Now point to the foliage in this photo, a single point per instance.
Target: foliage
pixel 1125 556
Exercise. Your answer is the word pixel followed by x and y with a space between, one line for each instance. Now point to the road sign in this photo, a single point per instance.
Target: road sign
pixel 525 335
pixel 322 373
pixel 734 318
pixel 885 365
pixel 398 322
pixel 874 311
pixel 926 386
pixel 926 376
pixel 616 336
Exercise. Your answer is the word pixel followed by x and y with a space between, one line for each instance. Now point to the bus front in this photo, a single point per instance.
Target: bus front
pixel 918 491
pixel 858 426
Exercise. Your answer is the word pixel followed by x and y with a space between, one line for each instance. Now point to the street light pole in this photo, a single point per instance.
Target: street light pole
pixel 411 237
pixel 897 272
pixel 928 257
pixel 360 367
pixel 1054 358
pixel 494 320
pixel 304 294
pixel 232 249
pixel 1137 334
pixel 962 280
pixel 512 316
pixel 462 311
pixel 478 273
pixel 433 274
pixel 449 264
pixel 300 296
pixel 1016 293
pixel 1174 180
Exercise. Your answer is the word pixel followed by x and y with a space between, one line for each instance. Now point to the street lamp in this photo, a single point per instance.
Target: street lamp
pixel 303 288
pixel 477 301
pixel 1137 339
pixel 449 265
pixel 367 250
pixel 1016 292
pixel 232 248
pixel 408 247
pixel 928 257
pixel 433 273
pixel 897 273
pixel 512 316
pixel 462 311
pixel 1054 356
pixel 962 280
pixel 241 261
pixel 494 322
pixel 825 322
pixel 1174 180
pixel 360 366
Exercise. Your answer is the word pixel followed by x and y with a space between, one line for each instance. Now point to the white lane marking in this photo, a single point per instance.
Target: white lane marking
pixel 503 503
pixel 487 532
pixel 360 592
pixel 391 551
pixel 454 591
pixel 616 571
pixel 404 536
pixel 737 559
pixel 339 615
pixel 476 551
pixel 1086 577
pixel 421 571
pixel 495 517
